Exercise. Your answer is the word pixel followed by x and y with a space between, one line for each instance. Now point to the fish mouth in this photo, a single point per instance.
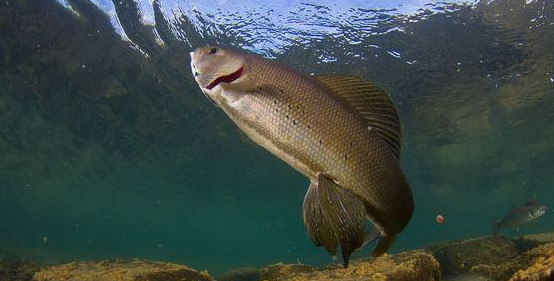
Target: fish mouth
pixel 226 79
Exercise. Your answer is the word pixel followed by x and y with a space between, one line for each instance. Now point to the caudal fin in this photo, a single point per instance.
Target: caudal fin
pixel 334 216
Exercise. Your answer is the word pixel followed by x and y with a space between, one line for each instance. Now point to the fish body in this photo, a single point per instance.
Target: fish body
pixel 318 126
pixel 520 215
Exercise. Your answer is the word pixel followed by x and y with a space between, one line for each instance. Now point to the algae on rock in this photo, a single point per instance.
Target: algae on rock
pixel 406 266
pixel 540 264
pixel 121 270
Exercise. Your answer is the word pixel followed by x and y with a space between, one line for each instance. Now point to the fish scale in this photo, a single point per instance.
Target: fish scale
pixel 356 172
pixel 349 159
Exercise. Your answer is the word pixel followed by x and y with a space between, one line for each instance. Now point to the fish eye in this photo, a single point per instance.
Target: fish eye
pixel 213 51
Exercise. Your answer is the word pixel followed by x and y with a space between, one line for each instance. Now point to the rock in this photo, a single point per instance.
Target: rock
pixel 540 264
pixel 542 270
pixel 16 270
pixel 466 277
pixel 121 270
pixel 495 272
pixel 414 265
pixel 530 241
pixel 241 274
pixel 534 264
pixel 270 272
pixel 462 256
pixel 277 271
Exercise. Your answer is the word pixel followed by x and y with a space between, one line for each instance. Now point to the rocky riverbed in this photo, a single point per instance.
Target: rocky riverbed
pixel 495 258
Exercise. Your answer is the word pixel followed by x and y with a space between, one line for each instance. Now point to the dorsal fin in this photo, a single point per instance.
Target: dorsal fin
pixel 371 103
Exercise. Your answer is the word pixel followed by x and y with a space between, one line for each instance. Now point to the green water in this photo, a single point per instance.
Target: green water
pixel 108 149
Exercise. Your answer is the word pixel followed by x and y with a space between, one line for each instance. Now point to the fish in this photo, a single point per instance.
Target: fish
pixel 341 132
pixel 531 211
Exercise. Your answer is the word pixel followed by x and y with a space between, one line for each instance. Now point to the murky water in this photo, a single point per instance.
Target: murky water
pixel 109 149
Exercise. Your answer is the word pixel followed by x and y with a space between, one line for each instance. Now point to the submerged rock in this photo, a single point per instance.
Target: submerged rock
pixel 270 272
pixel 413 265
pixel 277 271
pixel 497 259
pixel 540 264
pixel 476 254
pixel 466 277
pixel 530 241
pixel 16 270
pixel 241 274
pixel 121 270
pixel 407 266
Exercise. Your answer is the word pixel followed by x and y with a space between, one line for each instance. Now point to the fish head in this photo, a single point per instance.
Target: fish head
pixel 214 68
pixel 539 211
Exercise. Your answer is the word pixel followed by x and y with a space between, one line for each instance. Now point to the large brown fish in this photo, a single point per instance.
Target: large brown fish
pixel 339 131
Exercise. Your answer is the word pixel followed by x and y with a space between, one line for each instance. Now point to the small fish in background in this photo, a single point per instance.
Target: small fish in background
pixel 531 211
pixel 341 132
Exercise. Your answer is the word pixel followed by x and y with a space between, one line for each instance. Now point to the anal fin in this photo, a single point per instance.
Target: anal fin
pixel 334 216
pixel 383 245
pixel 371 236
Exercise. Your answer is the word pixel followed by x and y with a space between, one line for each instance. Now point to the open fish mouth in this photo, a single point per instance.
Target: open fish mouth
pixel 213 80
pixel 225 79
pixel 205 79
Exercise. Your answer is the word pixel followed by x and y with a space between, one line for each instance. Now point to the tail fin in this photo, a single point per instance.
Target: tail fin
pixel 333 216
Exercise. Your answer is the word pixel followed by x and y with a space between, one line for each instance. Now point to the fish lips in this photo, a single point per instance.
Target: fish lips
pixel 229 78
pixel 204 81
pixel 208 82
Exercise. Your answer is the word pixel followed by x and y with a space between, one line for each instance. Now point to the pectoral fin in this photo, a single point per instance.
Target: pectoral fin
pixel 334 216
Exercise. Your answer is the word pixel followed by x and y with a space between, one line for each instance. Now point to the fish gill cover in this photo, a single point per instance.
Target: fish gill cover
pixel 108 149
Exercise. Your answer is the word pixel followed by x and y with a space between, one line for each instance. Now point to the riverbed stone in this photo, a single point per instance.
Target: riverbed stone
pixel 16 270
pixel 407 266
pixel 121 270
pixel 272 272
pixel 241 274
pixel 277 271
pixel 530 241
pixel 539 264
pixel 462 256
